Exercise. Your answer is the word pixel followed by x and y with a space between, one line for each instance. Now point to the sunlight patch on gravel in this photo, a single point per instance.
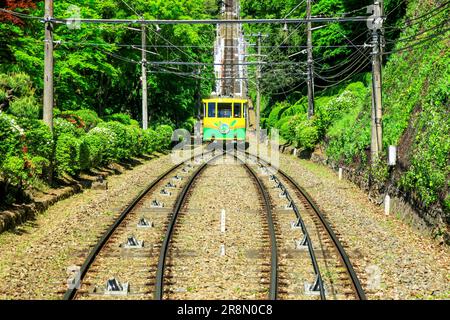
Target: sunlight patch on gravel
pixel 34 258
pixel 410 265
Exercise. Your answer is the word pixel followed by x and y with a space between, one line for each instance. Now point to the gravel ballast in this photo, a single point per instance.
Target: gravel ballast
pixel 34 259
pixel 396 261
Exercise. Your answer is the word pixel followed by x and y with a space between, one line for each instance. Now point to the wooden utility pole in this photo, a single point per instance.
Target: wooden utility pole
pixel 310 76
pixel 48 65
pixel 377 98
pixel 258 90
pixel 144 79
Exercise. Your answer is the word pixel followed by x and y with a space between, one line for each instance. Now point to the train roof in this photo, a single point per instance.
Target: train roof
pixel 224 99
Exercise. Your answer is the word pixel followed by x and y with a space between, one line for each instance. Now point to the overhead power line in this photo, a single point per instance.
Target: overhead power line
pixel 359 69
pixel 408 39
pixel 216 21
pixel 418 20
pixel 20 15
pixel 421 43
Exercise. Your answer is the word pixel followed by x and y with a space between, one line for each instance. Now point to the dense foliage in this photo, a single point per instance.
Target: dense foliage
pixel 335 57
pixel 416 111
pixel 30 153
pixel 97 67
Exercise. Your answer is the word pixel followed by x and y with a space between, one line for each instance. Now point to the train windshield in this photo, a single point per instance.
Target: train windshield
pixel 211 110
pixel 224 110
pixel 237 110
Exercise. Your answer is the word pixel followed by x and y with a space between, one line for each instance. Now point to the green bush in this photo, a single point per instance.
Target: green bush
pixel 124 140
pixel 3 95
pixel 89 117
pixel 119 117
pixel 134 123
pixel 276 113
pixel 135 135
pixel 14 170
pixel 149 141
pixel 11 137
pixel 189 124
pixel 91 151
pixel 19 83
pixel 301 106
pixel 39 140
pixel 62 126
pixel 108 142
pixel 25 107
pixel 164 133
pixel 19 171
pixel 67 154
pixel 306 134
pixel 430 169
pixel 282 121
pixel 330 109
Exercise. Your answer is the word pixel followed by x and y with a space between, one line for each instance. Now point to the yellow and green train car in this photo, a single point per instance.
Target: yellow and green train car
pixel 224 119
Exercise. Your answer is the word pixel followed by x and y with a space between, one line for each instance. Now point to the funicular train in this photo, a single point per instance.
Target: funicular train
pixel 225 119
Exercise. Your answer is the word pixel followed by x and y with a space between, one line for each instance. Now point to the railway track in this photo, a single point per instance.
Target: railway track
pixel 314 235
pixel 123 262
pixel 197 257
pixel 166 244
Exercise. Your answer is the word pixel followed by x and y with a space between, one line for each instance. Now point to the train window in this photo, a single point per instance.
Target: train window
pixel 237 113
pixel 211 110
pixel 245 110
pixel 224 110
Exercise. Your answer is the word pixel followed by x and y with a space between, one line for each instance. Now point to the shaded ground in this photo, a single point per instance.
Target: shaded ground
pixel 34 258
pixel 398 262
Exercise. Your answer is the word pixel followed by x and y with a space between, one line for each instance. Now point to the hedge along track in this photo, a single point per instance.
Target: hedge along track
pixel 192 254
pixel 110 247
pixel 328 240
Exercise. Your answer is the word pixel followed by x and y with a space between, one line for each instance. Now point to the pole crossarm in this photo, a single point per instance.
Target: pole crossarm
pixel 215 21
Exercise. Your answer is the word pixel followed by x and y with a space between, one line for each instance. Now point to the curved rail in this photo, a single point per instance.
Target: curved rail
pixel 318 283
pixel 71 292
pixel 356 284
pixel 273 290
pixel 159 285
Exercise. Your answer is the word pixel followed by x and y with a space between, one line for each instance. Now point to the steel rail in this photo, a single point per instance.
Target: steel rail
pixel 318 281
pixel 356 284
pixel 159 285
pixel 71 292
pixel 273 289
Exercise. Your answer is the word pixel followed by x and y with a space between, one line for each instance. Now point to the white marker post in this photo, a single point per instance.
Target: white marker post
pixel 387 205
pixel 222 221
pixel 392 155
pixel 340 173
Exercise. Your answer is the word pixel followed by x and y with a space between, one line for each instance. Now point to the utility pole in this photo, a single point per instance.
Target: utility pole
pixel 258 91
pixel 144 79
pixel 377 98
pixel 310 76
pixel 199 94
pixel 382 29
pixel 48 65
